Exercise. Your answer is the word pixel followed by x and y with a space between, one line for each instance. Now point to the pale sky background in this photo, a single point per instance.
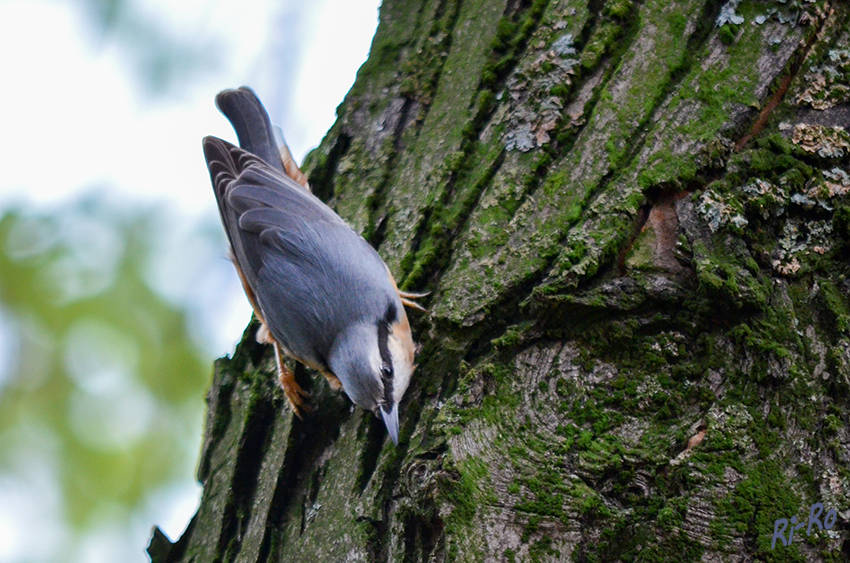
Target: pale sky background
pixel 74 117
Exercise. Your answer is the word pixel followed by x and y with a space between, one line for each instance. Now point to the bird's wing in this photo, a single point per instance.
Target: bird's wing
pixel 306 267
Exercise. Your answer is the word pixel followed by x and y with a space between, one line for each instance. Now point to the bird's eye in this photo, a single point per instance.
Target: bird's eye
pixel 386 370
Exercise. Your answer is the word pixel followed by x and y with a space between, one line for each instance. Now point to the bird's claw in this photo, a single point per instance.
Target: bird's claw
pixel 293 392
pixel 408 297
pixel 411 295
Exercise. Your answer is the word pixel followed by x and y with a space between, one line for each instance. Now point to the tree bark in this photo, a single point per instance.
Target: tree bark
pixel 633 220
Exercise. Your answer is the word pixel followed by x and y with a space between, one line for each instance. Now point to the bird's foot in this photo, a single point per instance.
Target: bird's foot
pixel 294 393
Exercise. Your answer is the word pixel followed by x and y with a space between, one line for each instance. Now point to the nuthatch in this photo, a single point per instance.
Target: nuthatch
pixel 322 295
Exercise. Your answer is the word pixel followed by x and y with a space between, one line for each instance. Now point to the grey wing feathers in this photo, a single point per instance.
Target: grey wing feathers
pixel 253 198
pixel 224 165
pixel 305 265
pixel 252 124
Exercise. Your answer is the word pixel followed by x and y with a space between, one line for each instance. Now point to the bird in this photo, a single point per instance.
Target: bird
pixel 321 293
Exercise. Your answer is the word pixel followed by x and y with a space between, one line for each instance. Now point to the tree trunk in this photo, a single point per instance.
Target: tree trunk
pixel 633 220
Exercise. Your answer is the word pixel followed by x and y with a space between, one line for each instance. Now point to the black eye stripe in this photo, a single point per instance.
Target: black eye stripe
pixel 391 315
pixel 384 349
pixel 383 343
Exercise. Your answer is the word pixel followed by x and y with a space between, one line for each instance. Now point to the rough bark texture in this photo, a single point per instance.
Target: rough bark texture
pixel 635 226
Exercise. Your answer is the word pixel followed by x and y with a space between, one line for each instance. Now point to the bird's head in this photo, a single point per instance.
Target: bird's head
pixel 374 362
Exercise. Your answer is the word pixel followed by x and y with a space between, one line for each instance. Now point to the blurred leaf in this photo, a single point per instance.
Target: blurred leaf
pixel 106 366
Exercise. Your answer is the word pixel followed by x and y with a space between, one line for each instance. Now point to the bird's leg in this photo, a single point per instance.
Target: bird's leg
pixel 294 393
pixel 333 380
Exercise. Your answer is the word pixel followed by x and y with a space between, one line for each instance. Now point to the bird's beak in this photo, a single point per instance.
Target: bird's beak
pixel 391 420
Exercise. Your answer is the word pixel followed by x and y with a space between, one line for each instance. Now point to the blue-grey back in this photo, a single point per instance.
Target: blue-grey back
pixel 323 278
pixel 311 274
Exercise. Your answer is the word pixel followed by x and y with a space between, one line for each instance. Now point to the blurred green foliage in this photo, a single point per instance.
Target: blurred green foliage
pixel 103 368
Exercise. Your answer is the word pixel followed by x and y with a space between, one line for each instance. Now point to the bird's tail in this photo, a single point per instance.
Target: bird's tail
pixel 249 118
pixel 256 134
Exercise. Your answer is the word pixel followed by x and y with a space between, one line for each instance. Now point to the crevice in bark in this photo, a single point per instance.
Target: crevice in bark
pixel 435 46
pixel 701 33
pixel 420 21
pixel 705 24
pixel 423 536
pixel 784 82
pixel 563 142
pixel 378 234
pixel 248 462
pixel 312 493
pixel 266 546
pixel 432 275
pixel 503 61
pixel 556 147
pixel 322 179
pixel 703 29
pixel 390 476
pixel 416 244
pixel 377 220
pixel 303 448
pixel 594 8
pixel 218 417
pixel 375 535
pixel 404 122
pixel 640 221
pixel 373 442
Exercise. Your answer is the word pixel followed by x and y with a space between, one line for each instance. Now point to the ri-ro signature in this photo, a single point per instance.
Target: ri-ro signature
pixel 814 520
